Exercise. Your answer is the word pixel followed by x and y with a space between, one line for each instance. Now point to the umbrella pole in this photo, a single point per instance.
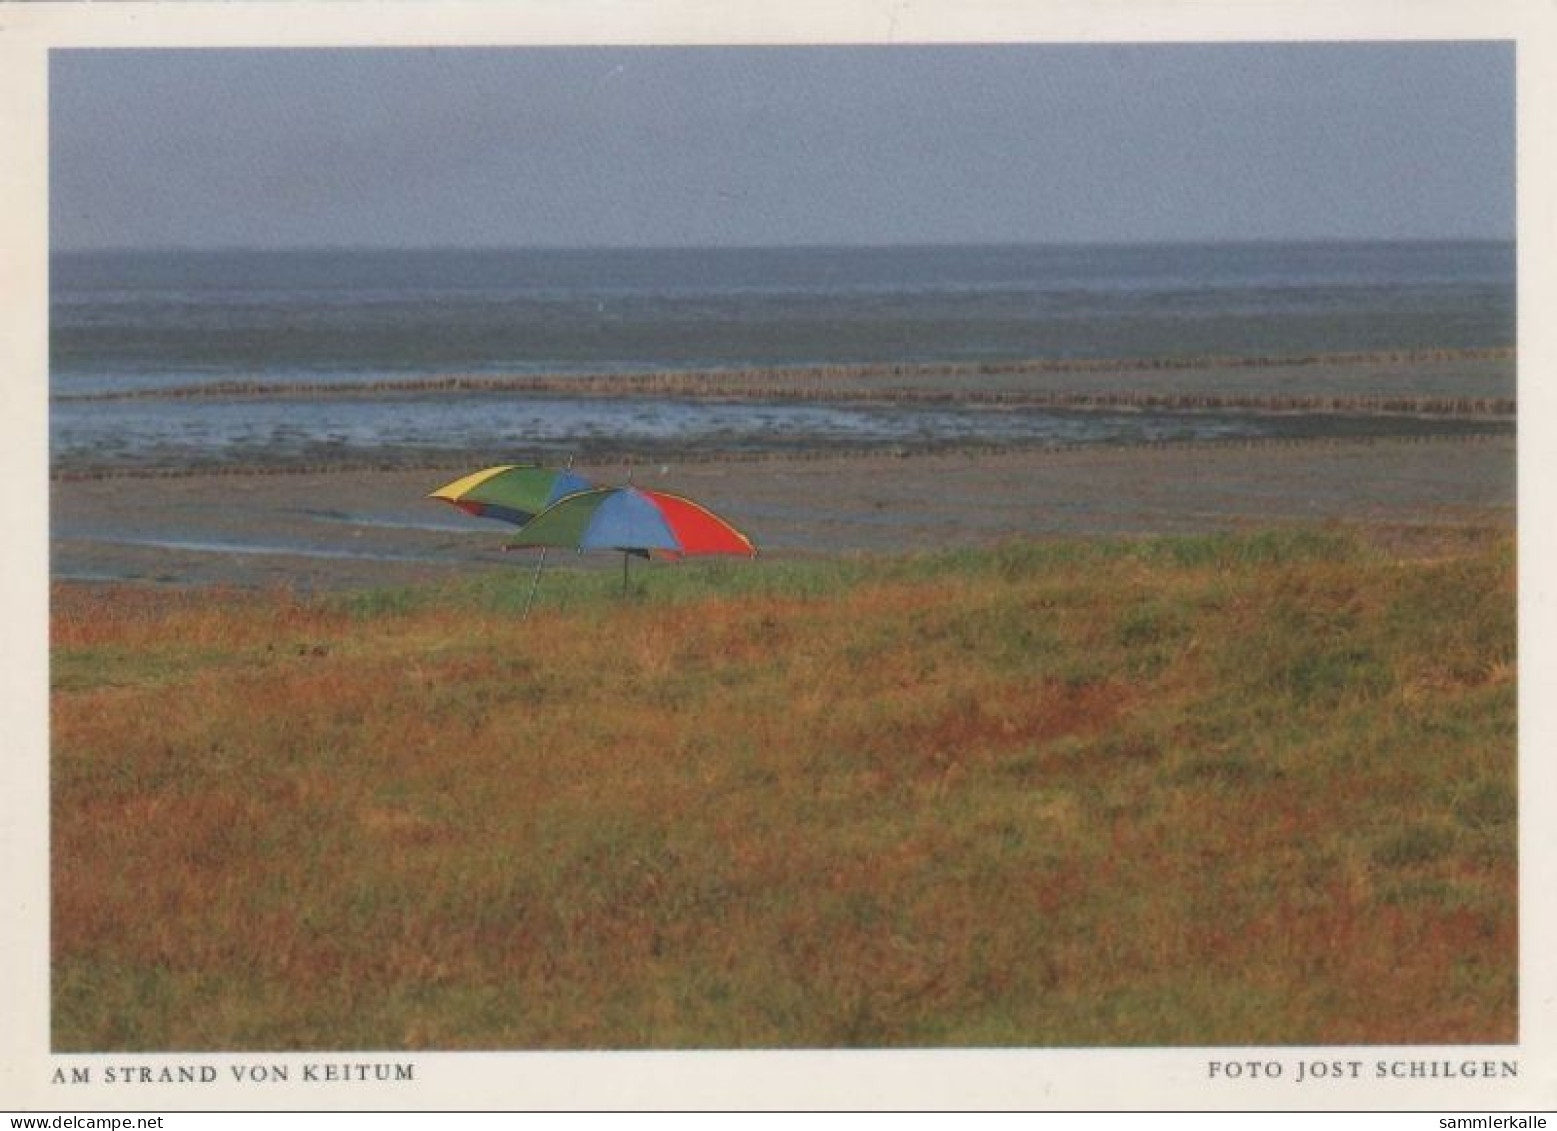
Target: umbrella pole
pixel 625 560
pixel 535 584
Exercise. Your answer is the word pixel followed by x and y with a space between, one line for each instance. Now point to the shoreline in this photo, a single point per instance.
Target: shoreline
pixel 818 379
pixel 834 411
pixel 366 526
pixel 392 459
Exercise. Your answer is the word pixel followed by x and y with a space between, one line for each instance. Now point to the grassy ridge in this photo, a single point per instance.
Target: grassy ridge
pixel 1227 790
pixel 790 377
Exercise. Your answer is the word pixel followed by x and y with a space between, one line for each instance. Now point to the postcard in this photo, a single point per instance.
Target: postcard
pixel 892 557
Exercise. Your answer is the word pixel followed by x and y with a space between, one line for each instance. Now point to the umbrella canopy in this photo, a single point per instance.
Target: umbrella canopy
pixel 632 519
pixel 513 493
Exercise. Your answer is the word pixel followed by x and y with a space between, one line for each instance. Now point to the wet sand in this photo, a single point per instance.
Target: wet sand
pixel 352 527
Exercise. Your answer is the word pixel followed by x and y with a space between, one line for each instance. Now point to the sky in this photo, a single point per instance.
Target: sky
pixel 731 146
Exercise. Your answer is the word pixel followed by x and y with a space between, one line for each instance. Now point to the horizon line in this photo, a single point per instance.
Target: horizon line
pixel 928 245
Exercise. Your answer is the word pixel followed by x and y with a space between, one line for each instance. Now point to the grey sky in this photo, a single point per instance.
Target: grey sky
pixel 710 146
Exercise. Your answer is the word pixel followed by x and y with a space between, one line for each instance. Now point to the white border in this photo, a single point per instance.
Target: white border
pixel 1151 1079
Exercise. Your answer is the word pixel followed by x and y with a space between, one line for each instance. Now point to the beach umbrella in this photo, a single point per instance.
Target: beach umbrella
pixel 513 492
pixel 633 520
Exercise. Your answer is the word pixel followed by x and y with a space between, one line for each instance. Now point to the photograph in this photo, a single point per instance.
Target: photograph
pixel 775 547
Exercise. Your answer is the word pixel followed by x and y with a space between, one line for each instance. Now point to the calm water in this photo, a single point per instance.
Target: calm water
pixel 141 321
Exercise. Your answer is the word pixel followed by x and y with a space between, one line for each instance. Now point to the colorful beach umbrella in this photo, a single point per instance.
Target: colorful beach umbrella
pixel 633 520
pixel 512 493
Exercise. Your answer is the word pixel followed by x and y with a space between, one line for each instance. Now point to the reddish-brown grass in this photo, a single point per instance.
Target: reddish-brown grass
pixel 1177 793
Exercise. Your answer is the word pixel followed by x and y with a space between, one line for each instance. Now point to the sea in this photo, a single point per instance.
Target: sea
pixel 326 335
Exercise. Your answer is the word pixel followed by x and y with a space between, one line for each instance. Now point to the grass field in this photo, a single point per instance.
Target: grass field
pixel 1253 789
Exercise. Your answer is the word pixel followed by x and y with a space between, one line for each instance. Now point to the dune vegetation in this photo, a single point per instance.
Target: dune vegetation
pixel 1251 789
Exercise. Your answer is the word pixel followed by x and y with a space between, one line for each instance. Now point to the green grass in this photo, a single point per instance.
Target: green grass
pixel 1221 790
